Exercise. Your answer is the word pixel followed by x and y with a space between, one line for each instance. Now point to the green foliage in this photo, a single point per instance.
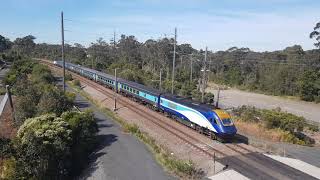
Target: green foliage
pixel 41 74
pixel 6 149
pixel 310 85
pixel 54 100
pixel 291 125
pixel 84 128
pixel 313 127
pixel 50 147
pixel 5 44
pixel 19 69
pixel 76 83
pixel 9 169
pixel 69 77
pixel 2 90
pixel 25 107
pixel 316 34
pixel 33 85
pixel 43 148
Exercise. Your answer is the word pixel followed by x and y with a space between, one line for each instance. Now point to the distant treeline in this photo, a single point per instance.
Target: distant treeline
pixel 289 72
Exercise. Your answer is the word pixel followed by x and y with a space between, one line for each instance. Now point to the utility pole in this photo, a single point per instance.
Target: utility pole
pixel 204 75
pixel 115 89
pixel 114 39
pixel 218 98
pixel 174 58
pixel 160 80
pixel 92 63
pixel 191 69
pixel 62 53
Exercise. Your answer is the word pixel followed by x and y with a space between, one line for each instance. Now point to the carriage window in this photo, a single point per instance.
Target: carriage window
pixel 172 106
pixel 137 92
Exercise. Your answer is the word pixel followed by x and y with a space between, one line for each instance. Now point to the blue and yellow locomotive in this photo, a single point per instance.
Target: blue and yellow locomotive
pixel 203 118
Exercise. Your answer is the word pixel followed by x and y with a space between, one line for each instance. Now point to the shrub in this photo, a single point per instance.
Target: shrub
pixel 6 149
pixel 290 125
pixel 84 129
pixel 9 169
pixel 43 148
pixel 68 77
pixel 42 74
pixel 55 101
pixel 76 83
pixel 313 127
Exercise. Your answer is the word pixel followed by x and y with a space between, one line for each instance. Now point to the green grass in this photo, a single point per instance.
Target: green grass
pixel 181 168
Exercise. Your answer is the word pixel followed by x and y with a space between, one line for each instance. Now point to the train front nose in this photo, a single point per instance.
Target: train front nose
pixel 228 131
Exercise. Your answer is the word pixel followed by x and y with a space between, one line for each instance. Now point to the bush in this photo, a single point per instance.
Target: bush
pixel 84 129
pixel 68 77
pixel 247 113
pixel 42 75
pixel 76 83
pixel 9 169
pixel 43 148
pixel 313 128
pixel 55 101
pixel 19 68
pixel 6 149
pixel 290 125
pixel 51 147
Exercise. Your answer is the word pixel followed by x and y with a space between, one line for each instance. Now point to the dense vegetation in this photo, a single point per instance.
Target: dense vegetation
pixel 35 91
pixel 53 141
pixel 290 72
pixel 292 126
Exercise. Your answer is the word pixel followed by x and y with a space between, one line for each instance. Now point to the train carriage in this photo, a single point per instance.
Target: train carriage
pixel 144 93
pixel 206 119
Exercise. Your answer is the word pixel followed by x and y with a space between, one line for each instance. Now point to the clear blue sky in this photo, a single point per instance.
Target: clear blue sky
pixel 262 25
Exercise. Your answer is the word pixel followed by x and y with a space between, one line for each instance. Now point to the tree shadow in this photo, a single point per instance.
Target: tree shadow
pixel 82 104
pixel 104 141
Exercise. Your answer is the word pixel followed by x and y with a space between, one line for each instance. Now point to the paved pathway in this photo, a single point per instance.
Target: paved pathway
pixel 120 155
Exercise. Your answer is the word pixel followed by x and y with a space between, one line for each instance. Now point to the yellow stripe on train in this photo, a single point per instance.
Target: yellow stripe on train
pixel 222 114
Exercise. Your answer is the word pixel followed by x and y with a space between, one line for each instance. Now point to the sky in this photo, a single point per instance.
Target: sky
pixel 261 25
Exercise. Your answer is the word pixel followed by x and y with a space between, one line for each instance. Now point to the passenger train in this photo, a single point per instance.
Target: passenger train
pixel 211 121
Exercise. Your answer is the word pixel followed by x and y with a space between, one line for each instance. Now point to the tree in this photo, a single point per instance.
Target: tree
pixel 310 85
pixel 5 44
pixel 25 45
pixel 316 34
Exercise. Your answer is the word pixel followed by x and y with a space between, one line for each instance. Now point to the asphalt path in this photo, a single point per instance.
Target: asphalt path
pixel 119 155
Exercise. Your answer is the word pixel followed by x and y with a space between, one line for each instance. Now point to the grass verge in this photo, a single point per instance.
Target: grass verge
pixel 181 168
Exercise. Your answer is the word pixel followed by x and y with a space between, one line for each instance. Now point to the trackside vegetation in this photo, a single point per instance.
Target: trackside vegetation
pixel 53 140
pixel 181 168
pixel 290 127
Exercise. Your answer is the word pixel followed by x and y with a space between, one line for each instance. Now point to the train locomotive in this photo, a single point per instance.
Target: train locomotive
pixel 213 122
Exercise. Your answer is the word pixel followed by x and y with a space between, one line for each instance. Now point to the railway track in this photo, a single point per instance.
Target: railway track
pixel 248 162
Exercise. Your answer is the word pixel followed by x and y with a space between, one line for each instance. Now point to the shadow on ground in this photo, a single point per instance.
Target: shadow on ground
pixel 105 141
pixel 238 138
